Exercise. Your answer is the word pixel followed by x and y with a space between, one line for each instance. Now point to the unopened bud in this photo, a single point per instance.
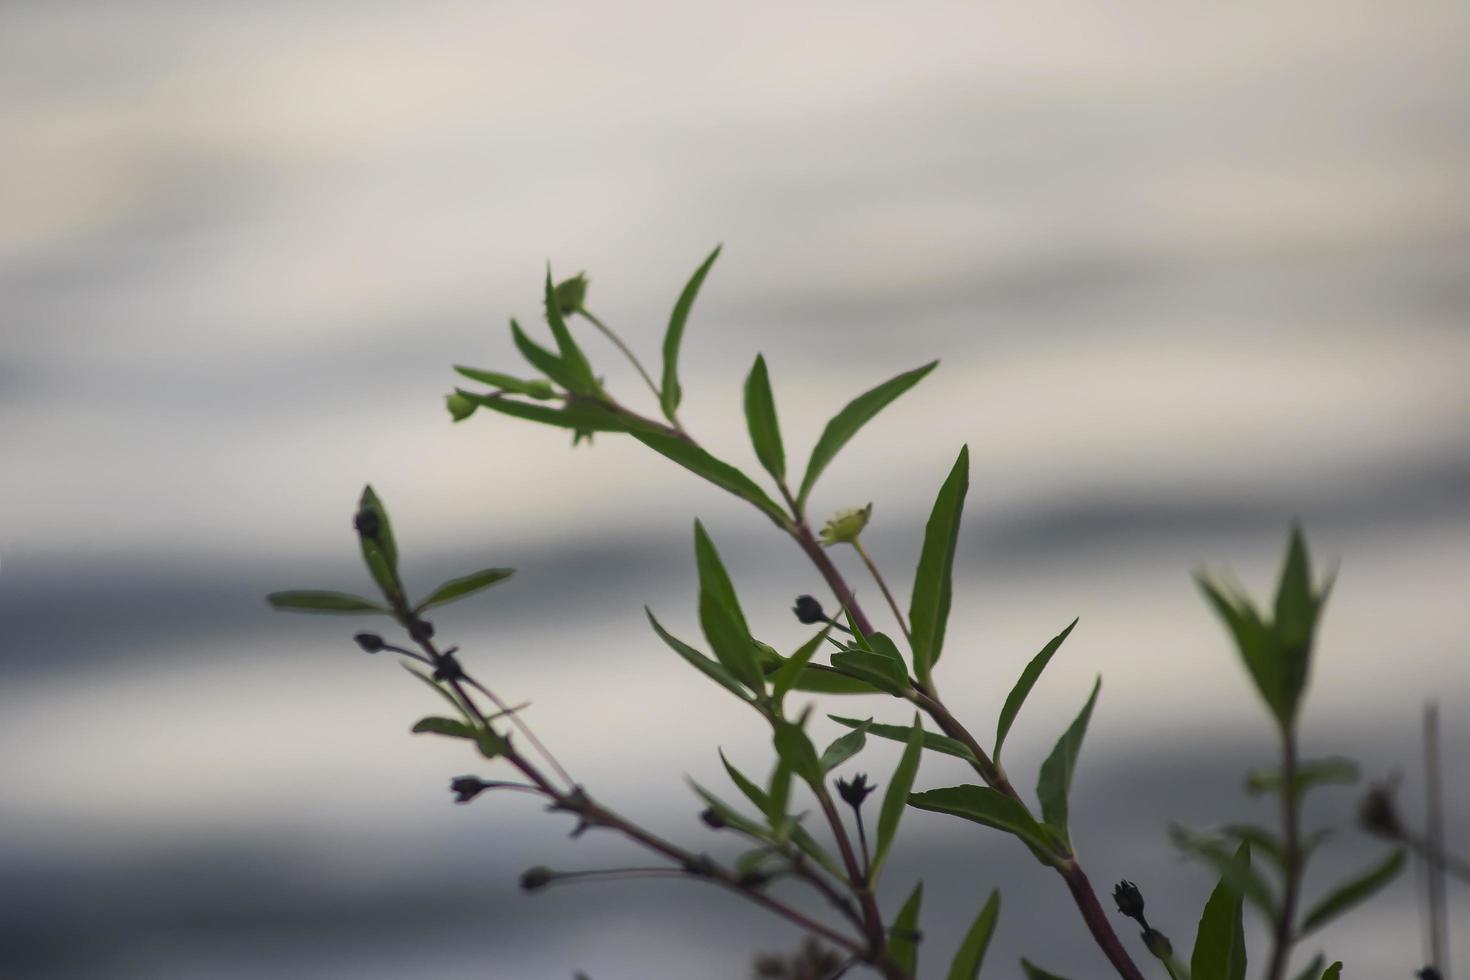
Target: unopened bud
pixel 713 820
pixel 808 610
pixel 571 294
pixel 370 642
pixel 1129 899
pixel 534 879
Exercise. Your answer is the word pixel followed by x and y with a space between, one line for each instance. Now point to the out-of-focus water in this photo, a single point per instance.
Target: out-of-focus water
pixel 1192 272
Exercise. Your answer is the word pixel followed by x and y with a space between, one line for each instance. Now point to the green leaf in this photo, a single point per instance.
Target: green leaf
pixel 796 750
pixel 578 371
pixel 460 406
pixel 760 418
pixel 1313 969
pixel 1236 874
pixel 1023 687
pixel 1034 972
pixel 1055 782
pixel 716 471
pixel 903 938
pixel 542 359
pixel 854 416
pixel 900 733
pixel 778 799
pixel 971 954
pixel 1333 972
pixel 506 382
pixel 876 669
pixel 583 416
pixel 730 815
pixel 929 607
pixel 458 588
pixel 714 578
pixel 445 726
pixel 817 679
pixel 710 668
pixel 1310 772
pixel 844 747
pixel 1219 942
pixel 670 392
pixel 896 797
pixel 441 691
pixel 731 644
pixel 789 673
pixel 987 807
pixel 1352 891
pixel 799 836
pixel 379 550
pixel 325 602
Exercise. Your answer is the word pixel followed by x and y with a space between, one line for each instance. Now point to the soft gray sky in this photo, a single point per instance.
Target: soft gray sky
pixel 1191 271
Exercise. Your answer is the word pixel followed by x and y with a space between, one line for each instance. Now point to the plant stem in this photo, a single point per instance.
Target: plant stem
pixel 1284 934
pixel 873 571
pixel 1434 834
pixel 872 917
pixel 632 359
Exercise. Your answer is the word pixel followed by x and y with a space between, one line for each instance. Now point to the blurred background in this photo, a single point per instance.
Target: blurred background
pixel 1192 271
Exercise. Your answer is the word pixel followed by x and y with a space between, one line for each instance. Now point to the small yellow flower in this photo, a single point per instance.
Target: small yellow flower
pixel 846 525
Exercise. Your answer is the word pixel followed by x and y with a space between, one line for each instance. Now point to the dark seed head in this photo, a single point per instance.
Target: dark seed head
pixel 713 819
pixel 367 524
pixel 1378 815
pixel 854 792
pixel 534 879
pixel 1129 899
pixel 466 788
pixel 808 610
pixel 369 642
pixel 421 631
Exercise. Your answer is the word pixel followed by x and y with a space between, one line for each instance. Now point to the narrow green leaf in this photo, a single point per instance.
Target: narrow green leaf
pixel 441 691
pixel 579 372
pixel 731 644
pixel 929 607
pixel 1255 643
pixel 1034 972
pixel 1219 942
pixel 900 733
pixel 379 549
pixel 778 799
pixel 325 602
pixel 583 416
pixel 1313 970
pixel 670 392
pixel 903 938
pixel 730 815
pixel 760 418
pixel 714 578
pixel 1260 839
pixel 817 679
pixel 1023 687
pixel 796 750
pixel 445 726
pixel 710 668
pixel 846 423
pixel 1334 771
pixel 844 747
pixel 874 668
pixel 542 359
pixel 787 675
pixel 987 807
pixel 1333 972
pixel 1238 875
pixel 799 835
pixel 896 797
pixel 458 588
pixel 1352 891
pixel 1055 782
pixel 716 471
pixel 507 382
pixel 971 954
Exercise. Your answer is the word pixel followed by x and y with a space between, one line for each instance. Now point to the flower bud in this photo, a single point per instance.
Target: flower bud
pixel 421 631
pixel 571 294
pixel 713 820
pixel 1129 899
pixel 534 879
pixel 808 610
pixel 370 642
pixel 846 525
pixel 466 788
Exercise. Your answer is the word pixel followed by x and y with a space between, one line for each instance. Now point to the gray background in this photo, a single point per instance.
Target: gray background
pixel 1192 271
